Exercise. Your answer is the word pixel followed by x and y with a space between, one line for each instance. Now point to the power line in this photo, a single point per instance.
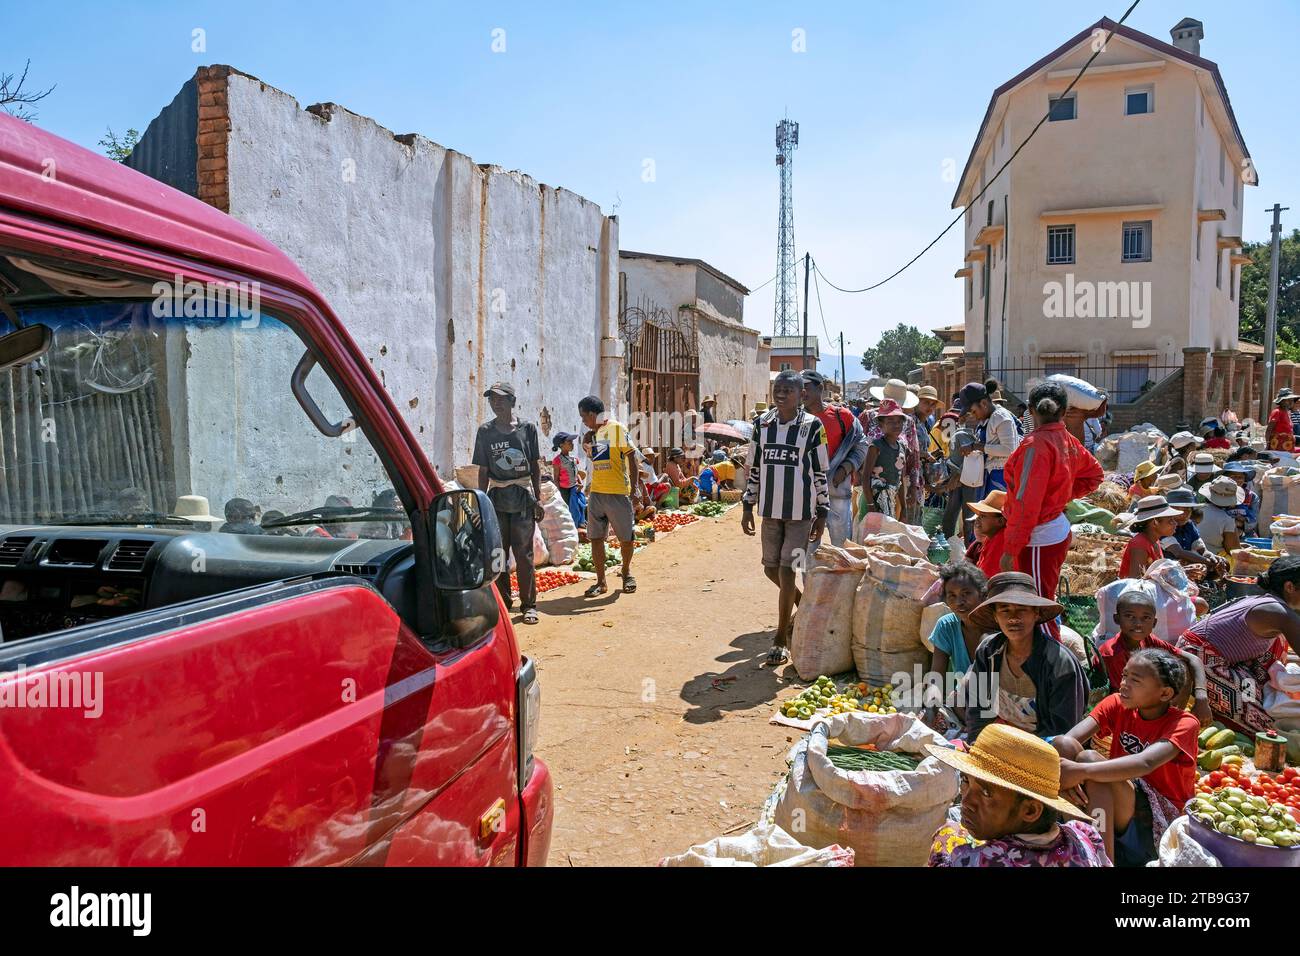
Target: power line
pixel 817 287
pixel 993 179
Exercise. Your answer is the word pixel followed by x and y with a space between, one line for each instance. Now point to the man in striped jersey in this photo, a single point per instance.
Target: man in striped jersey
pixel 787 483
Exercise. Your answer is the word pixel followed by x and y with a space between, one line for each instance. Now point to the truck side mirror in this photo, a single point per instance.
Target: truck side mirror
pixel 466 541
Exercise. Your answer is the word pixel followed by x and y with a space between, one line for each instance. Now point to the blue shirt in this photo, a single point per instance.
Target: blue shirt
pixel 1187 535
pixel 947 637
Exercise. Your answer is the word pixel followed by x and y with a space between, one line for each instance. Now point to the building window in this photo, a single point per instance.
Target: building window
pixel 1060 367
pixel 785 366
pixel 1060 245
pixel 1061 108
pixel 1137 242
pixel 1140 100
pixel 1131 378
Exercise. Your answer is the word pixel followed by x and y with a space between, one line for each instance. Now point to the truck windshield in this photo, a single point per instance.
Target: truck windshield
pixel 137 418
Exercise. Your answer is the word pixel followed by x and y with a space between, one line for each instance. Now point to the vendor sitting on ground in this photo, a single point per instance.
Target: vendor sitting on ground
pixel 1150 773
pixel 679 477
pixel 1136 618
pixel 1150 522
pixel 955 636
pixel 1011 810
pixel 990 524
pixel 1020 675
pixel 1246 513
pixel 1219 528
pixel 1185 545
pixel 1144 480
pixel 1201 470
pixel 725 468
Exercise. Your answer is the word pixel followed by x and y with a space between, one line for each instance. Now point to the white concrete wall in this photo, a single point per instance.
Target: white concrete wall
pixel 449 275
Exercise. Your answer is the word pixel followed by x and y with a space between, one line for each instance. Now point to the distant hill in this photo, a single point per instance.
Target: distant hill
pixel 829 365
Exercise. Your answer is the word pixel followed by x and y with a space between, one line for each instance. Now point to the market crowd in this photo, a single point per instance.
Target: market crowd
pixel 1072 735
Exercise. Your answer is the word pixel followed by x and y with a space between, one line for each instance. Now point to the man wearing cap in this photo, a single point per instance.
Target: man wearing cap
pixel 1278 435
pixel 1012 812
pixel 997 432
pixel 510 471
pixel 614 476
pixel 787 486
pixel 846 447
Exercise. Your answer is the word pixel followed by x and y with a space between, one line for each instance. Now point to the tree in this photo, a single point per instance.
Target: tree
pixel 119 148
pixel 901 350
pixel 14 100
pixel 1254 294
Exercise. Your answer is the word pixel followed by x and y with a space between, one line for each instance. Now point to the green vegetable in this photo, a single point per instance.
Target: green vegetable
pixel 851 758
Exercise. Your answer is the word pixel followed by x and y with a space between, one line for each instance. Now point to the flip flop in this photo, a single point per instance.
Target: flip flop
pixel 595 590
pixel 777 656
pixel 629 585
pixel 530 616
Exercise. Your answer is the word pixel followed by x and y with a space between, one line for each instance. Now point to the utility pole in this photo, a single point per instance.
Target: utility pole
pixel 1270 326
pixel 844 376
pixel 807 260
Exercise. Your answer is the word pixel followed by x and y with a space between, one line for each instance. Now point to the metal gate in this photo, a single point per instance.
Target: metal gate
pixel 663 364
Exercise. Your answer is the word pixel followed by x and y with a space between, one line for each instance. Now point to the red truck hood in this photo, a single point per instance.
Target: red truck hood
pixel 54 179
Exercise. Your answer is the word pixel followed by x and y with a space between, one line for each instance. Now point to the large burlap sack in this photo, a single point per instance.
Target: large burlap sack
pixel 930 615
pixel 1279 494
pixel 908 538
pixel 884 619
pixel 1285 529
pixel 557 527
pixel 764 845
pixel 887 818
pixel 822 638
pixel 910 576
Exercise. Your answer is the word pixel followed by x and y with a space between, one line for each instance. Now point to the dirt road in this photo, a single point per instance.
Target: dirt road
pixel 655 704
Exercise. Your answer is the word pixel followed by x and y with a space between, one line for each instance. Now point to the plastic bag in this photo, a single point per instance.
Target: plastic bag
pixel 1279 496
pixel 559 532
pixel 886 817
pixel 1082 395
pixel 1168 585
pixel 765 845
pixel 1080 511
pixel 822 638
pixel 1177 848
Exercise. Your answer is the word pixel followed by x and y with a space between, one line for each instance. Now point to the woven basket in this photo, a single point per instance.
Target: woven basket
pixel 732 495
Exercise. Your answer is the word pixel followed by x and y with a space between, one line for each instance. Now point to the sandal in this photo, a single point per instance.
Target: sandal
pixel 595 590
pixel 629 585
pixel 530 616
pixel 777 656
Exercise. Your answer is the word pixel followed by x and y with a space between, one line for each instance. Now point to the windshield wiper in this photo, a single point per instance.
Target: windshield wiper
pixel 337 516
pixel 113 518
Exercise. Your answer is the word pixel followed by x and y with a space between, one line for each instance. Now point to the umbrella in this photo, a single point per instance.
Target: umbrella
pixel 722 430
pixel 745 428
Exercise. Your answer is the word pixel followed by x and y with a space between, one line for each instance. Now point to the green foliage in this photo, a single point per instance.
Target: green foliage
pixel 900 350
pixel 119 147
pixel 1254 295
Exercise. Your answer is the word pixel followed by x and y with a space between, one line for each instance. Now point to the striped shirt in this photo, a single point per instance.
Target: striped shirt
pixel 1227 631
pixel 787 468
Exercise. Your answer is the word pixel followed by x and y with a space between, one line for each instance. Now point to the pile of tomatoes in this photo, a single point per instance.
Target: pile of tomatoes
pixel 668 521
pixel 547 580
pixel 1283 788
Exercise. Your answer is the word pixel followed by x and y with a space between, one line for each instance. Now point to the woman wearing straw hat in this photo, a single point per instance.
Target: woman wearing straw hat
pixel 1021 675
pixel 1201 470
pixel 1219 529
pixel 912 479
pixel 1012 813
pixel 1278 435
pixel 1151 521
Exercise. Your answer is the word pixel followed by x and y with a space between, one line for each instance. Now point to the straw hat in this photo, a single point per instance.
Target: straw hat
pixel 1006 756
pixel 1169 482
pixel 1150 508
pixel 709 400
pixel 896 389
pixel 1223 492
pixel 1145 469
pixel 195 508
pixel 928 391
pixel 1013 587
pixel 1203 464
pixel 992 504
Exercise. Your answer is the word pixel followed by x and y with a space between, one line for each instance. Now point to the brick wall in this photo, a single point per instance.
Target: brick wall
pixel 1161 405
pixel 213 136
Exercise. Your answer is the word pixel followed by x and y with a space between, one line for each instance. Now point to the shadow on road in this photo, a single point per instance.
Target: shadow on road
pixel 577 604
pixel 742 686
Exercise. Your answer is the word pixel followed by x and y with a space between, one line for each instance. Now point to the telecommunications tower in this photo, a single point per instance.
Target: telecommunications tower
pixel 787 304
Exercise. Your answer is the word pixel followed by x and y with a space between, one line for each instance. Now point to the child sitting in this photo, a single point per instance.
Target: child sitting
pixel 1151 521
pixel 1151 771
pixel 1144 480
pixel 990 524
pixel 1135 615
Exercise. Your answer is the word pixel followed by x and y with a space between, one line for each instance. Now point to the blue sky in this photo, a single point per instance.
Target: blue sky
pixel 584 94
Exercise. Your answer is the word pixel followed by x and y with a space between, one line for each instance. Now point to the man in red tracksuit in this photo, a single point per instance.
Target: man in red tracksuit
pixel 1046 472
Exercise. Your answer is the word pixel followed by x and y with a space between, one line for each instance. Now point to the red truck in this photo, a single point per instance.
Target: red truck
pixel 321 674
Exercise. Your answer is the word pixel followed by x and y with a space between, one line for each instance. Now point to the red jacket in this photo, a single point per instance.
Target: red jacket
pixel 1045 473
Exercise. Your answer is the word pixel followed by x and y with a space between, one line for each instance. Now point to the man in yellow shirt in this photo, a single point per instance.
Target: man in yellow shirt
pixel 614 473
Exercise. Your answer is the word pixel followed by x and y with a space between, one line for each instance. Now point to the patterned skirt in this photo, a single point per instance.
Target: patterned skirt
pixel 1236 691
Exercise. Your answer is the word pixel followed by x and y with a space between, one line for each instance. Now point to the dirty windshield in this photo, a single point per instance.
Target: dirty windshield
pixel 138 419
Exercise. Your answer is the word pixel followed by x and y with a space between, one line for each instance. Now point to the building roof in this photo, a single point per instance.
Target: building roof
pixel 1249 348
pixel 682 261
pixel 1128 33
pixel 793 342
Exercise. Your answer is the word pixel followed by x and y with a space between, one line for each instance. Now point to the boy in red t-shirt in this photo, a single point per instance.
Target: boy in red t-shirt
pixel 1151 772
pixel 1135 614
pixel 990 524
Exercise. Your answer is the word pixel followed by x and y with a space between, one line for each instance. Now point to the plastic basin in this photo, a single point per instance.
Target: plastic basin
pixel 1234 852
